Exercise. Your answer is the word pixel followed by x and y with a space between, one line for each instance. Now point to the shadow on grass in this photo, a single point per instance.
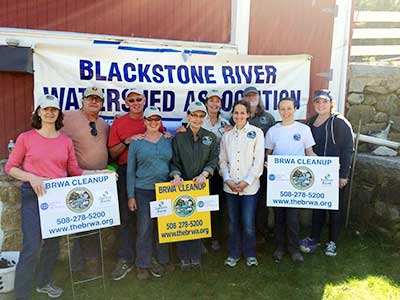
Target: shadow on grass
pixel 365 268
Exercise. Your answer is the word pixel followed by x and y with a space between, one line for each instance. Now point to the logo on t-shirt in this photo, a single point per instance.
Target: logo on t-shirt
pixel 251 135
pixel 297 136
pixel 207 140
pixel 263 120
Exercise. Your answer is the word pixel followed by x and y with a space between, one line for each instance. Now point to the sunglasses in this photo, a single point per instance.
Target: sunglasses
pixel 134 100
pixel 93 130
pixel 155 119
pixel 198 116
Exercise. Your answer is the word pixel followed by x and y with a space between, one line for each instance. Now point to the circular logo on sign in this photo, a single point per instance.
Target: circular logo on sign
pixel 302 178
pixel 200 203
pixel 44 206
pixel 79 199
pixel 184 206
pixel 271 177
pixel 297 137
pixel 207 140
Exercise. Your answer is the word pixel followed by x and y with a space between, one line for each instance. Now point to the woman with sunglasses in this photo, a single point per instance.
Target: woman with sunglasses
pixel 241 162
pixel 195 155
pixel 334 137
pixel 148 164
pixel 39 154
pixel 288 137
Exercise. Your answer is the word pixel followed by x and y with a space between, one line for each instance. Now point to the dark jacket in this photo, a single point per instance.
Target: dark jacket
pixel 190 158
pixel 338 141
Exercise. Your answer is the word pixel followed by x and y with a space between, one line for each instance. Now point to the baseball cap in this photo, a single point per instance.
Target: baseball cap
pixel 151 111
pixel 49 101
pixel 197 106
pixel 214 92
pixel 250 89
pixel 93 91
pixel 324 94
pixel 133 90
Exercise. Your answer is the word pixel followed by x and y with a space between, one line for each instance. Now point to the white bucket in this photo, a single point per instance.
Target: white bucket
pixel 7 275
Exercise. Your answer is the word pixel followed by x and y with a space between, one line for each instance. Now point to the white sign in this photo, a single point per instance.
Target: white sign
pixel 160 208
pixel 77 204
pixel 303 182
pixel 208 203
pixel 171 80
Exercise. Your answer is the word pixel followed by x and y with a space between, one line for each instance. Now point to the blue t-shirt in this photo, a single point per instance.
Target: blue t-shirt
pixel 148 164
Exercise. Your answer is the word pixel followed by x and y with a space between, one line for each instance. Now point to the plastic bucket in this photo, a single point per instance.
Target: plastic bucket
pixel 7 275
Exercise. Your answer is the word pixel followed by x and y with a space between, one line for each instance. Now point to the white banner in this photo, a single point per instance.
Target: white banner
pixel 77 204
pixel 171 80
pixel 303 182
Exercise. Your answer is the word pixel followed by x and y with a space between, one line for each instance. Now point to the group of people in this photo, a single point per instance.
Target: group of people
pixel 231 152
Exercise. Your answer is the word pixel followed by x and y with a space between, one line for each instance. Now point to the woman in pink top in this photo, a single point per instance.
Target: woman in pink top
pixel 39 154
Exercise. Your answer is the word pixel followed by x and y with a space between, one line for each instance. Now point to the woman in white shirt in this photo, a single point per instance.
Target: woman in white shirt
pixel 241 163
pixel 288 138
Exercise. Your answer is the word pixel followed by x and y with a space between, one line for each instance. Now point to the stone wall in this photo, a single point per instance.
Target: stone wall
pixel 375 197
pixel 374 97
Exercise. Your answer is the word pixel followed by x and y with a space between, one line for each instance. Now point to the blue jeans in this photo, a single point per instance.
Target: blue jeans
pixel 286 228
pixel 126 228
pixel 32 247
pixel 241 210
pixel 146 237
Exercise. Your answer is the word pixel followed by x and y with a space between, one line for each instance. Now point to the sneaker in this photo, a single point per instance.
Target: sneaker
pixel 157 270
pixel 251 261
pixel 185 265
pixel 142 274
pixel 297 257
pixel 215 245
pixel 51 290
pixel 308 245
pixel 330 249
pixel 122 268
pixel 231 262
pixel 278 255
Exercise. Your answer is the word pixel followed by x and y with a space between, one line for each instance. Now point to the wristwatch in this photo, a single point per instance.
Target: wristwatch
pixel 126 144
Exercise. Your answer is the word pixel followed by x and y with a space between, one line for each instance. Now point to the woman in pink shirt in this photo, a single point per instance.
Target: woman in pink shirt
pixel 39 154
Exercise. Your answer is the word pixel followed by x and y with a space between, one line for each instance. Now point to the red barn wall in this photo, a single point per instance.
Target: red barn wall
pixel 276 28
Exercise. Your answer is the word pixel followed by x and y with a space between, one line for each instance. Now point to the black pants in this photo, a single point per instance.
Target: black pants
pixel 262 210
pixel 336 218
pixel 287 226
pixel 217 217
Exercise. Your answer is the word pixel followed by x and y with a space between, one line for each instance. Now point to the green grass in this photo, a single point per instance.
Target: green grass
pixel 365 268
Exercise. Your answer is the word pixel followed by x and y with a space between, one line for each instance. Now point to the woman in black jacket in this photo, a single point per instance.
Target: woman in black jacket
pixel 333 136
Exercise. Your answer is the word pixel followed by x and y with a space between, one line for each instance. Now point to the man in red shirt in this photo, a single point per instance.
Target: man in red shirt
pixel 122 132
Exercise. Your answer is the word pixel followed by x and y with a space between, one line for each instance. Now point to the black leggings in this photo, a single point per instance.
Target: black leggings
pixel 336 218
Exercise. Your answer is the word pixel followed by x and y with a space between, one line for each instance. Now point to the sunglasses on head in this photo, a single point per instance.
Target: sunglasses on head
pixel 134 100
pixel 93 130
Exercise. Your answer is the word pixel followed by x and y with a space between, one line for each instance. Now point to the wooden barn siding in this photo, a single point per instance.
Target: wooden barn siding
pixel 278 29
pixel 201 20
